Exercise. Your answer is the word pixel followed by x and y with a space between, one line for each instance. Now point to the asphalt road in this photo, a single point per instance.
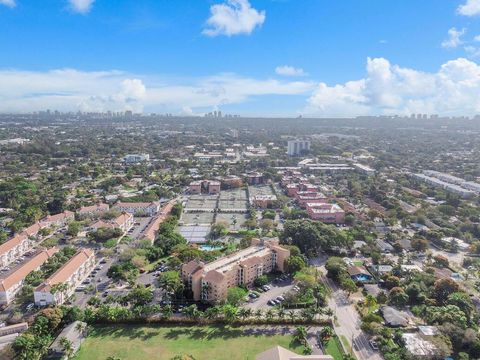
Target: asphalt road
pixel 347 319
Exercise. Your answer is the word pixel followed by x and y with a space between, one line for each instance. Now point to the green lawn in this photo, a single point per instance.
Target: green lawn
pixel 163 343
pixel 334 349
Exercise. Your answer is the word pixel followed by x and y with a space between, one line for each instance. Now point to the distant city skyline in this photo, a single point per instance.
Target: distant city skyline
pixel 248 57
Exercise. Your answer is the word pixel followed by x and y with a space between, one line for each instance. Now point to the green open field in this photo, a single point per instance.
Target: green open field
pixel 163 343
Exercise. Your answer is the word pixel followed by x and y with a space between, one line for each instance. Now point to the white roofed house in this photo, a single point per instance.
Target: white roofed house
pixel 61 284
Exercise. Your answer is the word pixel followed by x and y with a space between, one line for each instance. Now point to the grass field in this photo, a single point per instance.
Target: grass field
pixel 163 343
pixel 333 348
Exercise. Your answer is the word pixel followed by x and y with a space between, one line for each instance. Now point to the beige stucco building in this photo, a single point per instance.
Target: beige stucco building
pixel 210 282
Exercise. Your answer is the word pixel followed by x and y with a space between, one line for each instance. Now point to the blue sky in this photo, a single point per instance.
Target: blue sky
pixel 193 56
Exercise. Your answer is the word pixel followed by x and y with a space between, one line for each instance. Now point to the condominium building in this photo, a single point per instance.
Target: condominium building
pixel 211 187
pixel 14 248
pixel 134 208
pixel 71 274
pixel 298 147
pixel 447 186
pixel 12 283
pixel 211 281
pixel 327 213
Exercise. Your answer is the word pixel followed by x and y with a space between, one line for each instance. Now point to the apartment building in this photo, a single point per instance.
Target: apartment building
pixel 263 201
pixel 151 230
pixel 136 158
pixel 214 187
pixel 149 209
pixel 12 283
pixel 72 273
pixel 14 248
pixel 312 197
pixel 327 213
pixel 298 147
pixel 58 220
pixel 254 178
pixel 211 281
pixel 93 209
pixel 195 187
pixel 123 222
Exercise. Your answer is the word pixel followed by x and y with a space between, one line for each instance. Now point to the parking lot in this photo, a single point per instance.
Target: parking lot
pixel 98 279
pixel 276 289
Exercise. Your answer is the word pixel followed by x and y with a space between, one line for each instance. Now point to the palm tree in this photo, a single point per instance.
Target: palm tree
pixel 281 313
pixel 258 314
pixel 326 333
pixel 244 313
pixel 192 312
pixel 166 311
pixel 292 315
pixel 269 315
pixel 328 312
pixel 301 335
pixel 213 312
pixel 67 346
pixel 348 357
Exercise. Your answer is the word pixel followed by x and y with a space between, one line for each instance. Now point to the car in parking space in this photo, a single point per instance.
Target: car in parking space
pixel 373 344
pixel 266 287
pixel 103 261
pixel 280 298
pixel 271 303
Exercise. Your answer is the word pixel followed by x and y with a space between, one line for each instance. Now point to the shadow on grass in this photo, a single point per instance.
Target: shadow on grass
pixel 195 332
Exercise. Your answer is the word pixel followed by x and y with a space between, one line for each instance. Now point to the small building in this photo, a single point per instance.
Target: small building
pixel 395 318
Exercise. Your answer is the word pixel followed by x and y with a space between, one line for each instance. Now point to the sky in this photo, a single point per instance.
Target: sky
pixel 317 58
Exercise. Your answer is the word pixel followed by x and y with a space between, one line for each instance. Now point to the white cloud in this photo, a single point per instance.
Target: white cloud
pixel 477 38
pixel 470 8
pixel 389 89
pixel 286 70
pixel 454 38
pixel 233 18
pixel 81 6
pixel 8 3
pixel 71 90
